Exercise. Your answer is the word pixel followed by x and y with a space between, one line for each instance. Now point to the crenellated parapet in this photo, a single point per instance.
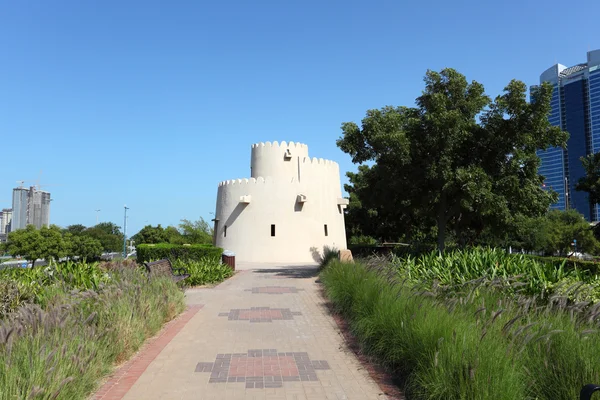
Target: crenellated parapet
pixel 320 161
pixel 283 145
pixel 245 181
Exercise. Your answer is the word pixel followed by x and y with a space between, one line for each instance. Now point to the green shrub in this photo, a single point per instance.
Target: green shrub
pixel 569 263
pixel 149 252
pixel 37 284
pixel 363 240
pixel 203 271
pixel 12 296
pixel 537 276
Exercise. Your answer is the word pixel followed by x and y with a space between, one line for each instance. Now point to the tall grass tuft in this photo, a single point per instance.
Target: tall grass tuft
pixel 60 350
pixel 329 254
pixel 469 340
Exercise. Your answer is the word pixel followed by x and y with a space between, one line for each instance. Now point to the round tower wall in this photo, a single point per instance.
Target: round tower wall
pixel 279 161
pixel 301 229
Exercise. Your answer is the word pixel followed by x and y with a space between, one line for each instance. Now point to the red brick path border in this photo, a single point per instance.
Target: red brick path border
pixel 124 378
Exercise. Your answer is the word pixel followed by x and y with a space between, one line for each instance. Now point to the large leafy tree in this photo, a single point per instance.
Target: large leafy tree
pixel 76 229
pixel 26 243
pixel 107 233
pixel 196 232
pixel 82 246
pixel 30 243
pixel 590 183
pixel 554 232
pixel 457 163
pixel 53 246
pixel 566 226
pixel 151 234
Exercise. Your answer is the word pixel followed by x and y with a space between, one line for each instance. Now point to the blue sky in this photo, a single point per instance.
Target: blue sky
pixel 152 103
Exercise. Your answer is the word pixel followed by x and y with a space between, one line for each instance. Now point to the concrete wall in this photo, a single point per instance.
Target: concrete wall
pixel 246 208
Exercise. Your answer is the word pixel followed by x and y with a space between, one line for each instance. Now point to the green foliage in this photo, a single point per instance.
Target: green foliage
pixel 108 234
pixel 329 254
pixel 566 226
pixel 436 350
pixel 151 235
pixel 53 247
pixel 554 232
pixel 535 276
pixel 52 244
pixel 196 232
pixel 11 297
pixel 174 236
pixel 195 252
pixel 590 183
pixel 456 164
pixel 63 349
pixel 83 247
pixel 472 342
pixel 204 271
pixel 37 284
pixel 31 243
pixel 76 229
pixel 189 232
pixel 363 240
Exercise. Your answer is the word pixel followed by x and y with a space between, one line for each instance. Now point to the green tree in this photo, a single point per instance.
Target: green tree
pixel 590 183
pixel 566 226
pixel 457 163
pixel 530 233
pixel 173 235
pixel 26 243
pixel 52 245
pixel 76 229
pixel 107 233
pixel 83 247
pixel 196 232
pixel 150 234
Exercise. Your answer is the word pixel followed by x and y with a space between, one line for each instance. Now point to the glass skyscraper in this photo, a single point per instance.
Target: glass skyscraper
pixel 576 109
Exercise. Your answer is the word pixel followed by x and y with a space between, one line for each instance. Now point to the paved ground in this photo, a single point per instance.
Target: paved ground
pixel 263 334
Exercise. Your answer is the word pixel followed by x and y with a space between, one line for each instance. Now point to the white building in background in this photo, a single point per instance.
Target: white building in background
pixel 288 210
pixel 30 207
pixel 5 222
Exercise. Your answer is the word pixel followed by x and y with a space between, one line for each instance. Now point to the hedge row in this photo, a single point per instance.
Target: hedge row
pixel 194 252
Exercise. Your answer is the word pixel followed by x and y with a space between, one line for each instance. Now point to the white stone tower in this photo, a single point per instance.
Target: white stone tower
pixel 288 210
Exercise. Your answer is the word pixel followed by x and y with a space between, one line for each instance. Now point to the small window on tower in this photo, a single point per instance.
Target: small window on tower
pixel 326 232
pixel 273 230
pixel 225 231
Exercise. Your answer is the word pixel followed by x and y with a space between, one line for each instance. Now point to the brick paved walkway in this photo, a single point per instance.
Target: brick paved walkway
pixel 263 334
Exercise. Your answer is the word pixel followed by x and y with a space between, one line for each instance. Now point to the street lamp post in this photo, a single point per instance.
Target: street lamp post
pixel 125 233
pixel 97 211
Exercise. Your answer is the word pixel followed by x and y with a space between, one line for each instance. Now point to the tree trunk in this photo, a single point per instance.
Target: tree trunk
pixel 441 224
pixel 33 263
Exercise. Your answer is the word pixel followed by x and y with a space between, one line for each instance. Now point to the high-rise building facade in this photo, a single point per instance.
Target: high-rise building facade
pixel 575 109
pixel 19 205
pixel 30 207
